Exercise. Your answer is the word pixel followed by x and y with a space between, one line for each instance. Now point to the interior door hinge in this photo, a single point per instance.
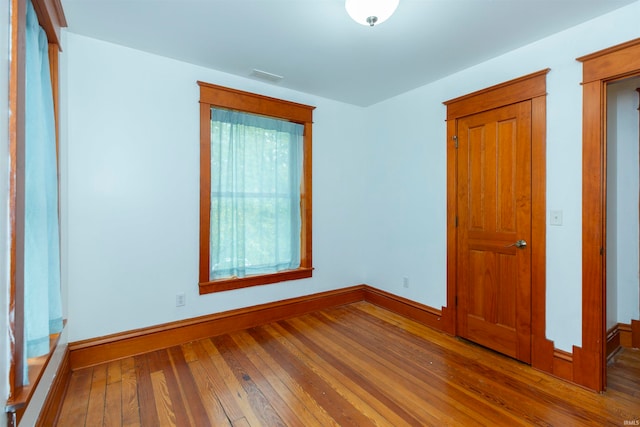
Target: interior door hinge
pixel 456 220
pixel 455 140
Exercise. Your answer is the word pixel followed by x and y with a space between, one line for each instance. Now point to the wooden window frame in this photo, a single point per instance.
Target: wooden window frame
pixel 51 17
pixel 232 99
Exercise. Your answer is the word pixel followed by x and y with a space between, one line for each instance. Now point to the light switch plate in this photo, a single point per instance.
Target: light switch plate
pixel 555 217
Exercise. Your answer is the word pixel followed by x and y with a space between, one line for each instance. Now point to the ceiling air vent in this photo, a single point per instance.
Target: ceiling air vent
pixel 263 75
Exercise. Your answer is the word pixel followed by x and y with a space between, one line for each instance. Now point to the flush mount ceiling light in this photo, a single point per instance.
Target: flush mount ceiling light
pixel 370 12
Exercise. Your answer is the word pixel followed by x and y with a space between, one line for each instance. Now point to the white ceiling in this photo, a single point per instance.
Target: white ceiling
pixel 318 49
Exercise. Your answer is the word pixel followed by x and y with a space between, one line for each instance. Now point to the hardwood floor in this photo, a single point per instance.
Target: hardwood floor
pixel 623 372
pixel 356 365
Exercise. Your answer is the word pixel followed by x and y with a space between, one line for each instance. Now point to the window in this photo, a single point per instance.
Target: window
pixel 255 189
pixel 35 309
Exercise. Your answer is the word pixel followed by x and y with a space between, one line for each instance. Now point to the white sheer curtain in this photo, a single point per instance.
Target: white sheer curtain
pixel 42 305
pixel 256 166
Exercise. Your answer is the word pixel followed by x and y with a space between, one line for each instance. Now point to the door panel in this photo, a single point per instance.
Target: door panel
pixel 494 212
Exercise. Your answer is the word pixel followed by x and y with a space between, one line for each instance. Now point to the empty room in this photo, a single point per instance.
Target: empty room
pixel 321 212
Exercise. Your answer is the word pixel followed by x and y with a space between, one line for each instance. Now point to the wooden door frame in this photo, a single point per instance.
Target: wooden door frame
pixel 599 68
pixel 532 88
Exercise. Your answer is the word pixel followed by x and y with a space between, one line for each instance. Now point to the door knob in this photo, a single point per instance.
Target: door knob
pixel 520 244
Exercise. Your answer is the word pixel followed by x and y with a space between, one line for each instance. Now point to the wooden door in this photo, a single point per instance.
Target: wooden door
pixel 494 212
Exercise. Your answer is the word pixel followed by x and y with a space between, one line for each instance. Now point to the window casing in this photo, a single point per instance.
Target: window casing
pixel 212 96
pixel 51 17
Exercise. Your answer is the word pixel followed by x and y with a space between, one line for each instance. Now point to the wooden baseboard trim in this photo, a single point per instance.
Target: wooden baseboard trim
pixel 415 311
pixel 635 333
pixel 563 364
pixel 613 340
pixel 126 344
pixel 118 346
pixel 545 357
pixel 626 334
pixel 585 366
pixel 55 397
pixel 542 353
pixel 623 335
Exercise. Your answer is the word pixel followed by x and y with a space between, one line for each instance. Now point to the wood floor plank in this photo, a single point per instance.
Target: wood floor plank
pixel 421 364
pixel 174 387
pixel 553 388
pixel 306 408
pixel 223 394
pixel 623 372
pixel 191 400
pixel 357 365
pixel 96 407
pixel 242 422
pixel 354 387
pixel 113 404
pixel 129 392
pixel 255 385
pixel 163 402
pixel 339 408
pixel 232 387
pixel 394 376
pixel 113 395
pixel 146 399
pixel 189 353
pixel 493 386
pixel 208 395
pixel 74 410
pixel 114 372
pixel 413 374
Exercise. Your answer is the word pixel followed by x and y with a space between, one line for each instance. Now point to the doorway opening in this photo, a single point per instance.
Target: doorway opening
pixel 622 281
pixel 599 70
pixel 623 300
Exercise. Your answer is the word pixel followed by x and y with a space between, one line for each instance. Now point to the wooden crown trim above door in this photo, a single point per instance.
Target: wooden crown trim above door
pixel 532 88
pixel 608 64
pixel 521 89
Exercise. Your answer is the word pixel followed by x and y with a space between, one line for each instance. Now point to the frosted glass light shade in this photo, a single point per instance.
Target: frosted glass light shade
pixel 370 12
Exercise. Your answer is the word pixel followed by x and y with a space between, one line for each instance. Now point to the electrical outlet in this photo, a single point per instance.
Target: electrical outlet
pixel 180 299
pixel 405 282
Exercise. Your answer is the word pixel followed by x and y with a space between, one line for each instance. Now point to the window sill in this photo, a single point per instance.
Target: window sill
pixel 245 282
pixel 36 366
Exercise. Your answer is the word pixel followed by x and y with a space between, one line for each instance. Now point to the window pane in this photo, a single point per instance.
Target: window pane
pixel 256 165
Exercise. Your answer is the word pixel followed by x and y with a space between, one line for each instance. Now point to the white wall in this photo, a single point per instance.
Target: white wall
pixel 4 207
pixel 407 216
pixel 623 302
pixel 131 191
pixel 613 152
